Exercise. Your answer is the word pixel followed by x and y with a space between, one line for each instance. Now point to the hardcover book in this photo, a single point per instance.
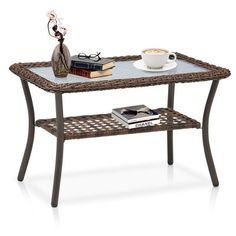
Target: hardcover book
pixel 102 64
pixel 134 114
pixel 136 124
pixel 90 73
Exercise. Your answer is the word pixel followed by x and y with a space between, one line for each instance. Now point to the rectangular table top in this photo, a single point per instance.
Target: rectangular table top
pixel 125 75
pixel 122 70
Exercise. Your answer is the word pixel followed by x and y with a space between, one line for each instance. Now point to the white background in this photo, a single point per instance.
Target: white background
pixel 119 185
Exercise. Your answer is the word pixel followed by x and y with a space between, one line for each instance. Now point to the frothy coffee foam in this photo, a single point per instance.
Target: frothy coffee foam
pixel 155 51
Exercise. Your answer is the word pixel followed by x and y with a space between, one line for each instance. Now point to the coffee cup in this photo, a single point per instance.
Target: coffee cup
pixel 156 58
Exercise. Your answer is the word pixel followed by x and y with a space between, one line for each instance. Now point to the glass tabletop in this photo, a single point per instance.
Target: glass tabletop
pixel 122 70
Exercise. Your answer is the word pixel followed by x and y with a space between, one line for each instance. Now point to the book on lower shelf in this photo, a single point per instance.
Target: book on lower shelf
pixel 85 63
pixel 90 73
pixel 136 124
pixel 136 116
pixel 135 113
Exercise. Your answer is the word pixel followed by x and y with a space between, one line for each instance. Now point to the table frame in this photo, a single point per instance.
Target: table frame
pixel 60 132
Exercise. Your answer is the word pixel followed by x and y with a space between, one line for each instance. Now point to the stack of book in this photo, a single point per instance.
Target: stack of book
pixel 136 116
pixel 91 69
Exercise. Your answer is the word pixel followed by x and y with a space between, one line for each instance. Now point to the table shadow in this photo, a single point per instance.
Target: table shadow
pixel 116 183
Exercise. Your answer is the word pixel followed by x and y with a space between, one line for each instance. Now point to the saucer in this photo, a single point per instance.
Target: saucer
pixel 140 65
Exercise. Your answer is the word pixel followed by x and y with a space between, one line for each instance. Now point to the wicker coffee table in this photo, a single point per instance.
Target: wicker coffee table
pixel 125 75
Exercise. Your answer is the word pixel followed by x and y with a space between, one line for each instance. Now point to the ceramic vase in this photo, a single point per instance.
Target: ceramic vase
pixel 61 60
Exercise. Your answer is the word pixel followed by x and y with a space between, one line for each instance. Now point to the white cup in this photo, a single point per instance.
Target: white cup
pixel 157 58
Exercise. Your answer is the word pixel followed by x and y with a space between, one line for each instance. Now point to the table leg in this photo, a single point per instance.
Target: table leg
pixel 59 150
pixel 205 135
pixel 31 130
pixel 170 104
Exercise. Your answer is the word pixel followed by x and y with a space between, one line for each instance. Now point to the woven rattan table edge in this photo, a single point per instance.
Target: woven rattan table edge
pixel 213 73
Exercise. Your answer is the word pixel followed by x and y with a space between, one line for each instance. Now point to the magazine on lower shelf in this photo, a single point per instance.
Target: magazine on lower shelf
pixel 136 113
pixel 136 124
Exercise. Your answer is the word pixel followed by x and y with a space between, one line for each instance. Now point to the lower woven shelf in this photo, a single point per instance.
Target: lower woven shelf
pixel 104 125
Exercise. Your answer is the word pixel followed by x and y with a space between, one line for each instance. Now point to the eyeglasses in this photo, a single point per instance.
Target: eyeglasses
pixel 93 57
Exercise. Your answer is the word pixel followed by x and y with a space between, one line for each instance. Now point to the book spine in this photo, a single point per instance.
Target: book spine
pixel 144 124
pixel 80 72
pixel 86 65
pixel 138 124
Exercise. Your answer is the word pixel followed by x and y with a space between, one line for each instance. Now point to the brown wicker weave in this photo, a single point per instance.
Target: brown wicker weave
pixel 213 73
pixel 105 125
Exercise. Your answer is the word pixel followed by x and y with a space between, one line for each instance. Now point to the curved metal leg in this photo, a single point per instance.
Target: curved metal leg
pixel 170 104
pixel 31 131
pixel 205 135
pixel 59 152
